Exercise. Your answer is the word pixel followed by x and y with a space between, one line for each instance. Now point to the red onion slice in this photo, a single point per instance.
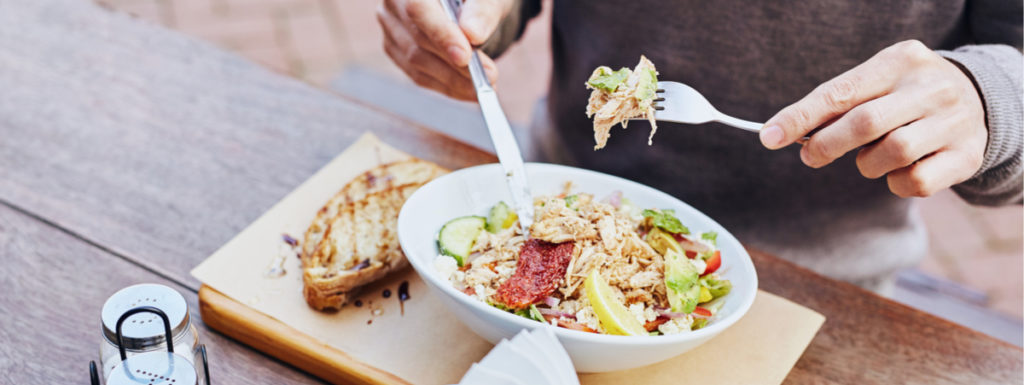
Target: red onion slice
pixel 551 301
pixel 671 314
pixel 556 313
pixel 614 199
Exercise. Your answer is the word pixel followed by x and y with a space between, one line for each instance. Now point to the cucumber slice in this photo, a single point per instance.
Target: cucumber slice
pixel 501 217
pixel 458 235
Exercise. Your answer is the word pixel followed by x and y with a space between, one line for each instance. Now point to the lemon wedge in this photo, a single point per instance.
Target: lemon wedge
pixel 613 315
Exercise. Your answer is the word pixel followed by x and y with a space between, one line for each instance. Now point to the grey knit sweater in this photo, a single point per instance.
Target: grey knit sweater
pixel 751 59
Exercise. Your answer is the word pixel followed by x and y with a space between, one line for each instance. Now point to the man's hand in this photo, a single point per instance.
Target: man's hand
pixel 917 117
pixel 434 51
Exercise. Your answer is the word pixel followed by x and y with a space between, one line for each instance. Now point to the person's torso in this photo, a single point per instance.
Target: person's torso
pixel 749 59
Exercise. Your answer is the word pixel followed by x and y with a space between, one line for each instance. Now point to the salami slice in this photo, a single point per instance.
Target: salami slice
pixel 541 268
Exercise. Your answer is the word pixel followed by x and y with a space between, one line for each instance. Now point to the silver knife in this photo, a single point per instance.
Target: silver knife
pixel 501 132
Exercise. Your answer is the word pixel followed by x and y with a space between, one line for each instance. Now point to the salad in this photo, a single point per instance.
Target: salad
pixel 600 266
pixel 621 95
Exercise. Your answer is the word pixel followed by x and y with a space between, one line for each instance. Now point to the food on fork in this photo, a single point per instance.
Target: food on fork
pixel 352 241
pixel 621 95
pixel 595 266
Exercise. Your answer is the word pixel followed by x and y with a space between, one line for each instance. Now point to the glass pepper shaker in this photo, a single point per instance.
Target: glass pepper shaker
pixel 143 332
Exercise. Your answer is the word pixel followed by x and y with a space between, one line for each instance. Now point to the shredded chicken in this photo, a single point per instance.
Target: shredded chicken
pixel 611 108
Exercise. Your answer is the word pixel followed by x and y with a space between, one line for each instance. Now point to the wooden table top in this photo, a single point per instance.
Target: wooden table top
pixel 129 153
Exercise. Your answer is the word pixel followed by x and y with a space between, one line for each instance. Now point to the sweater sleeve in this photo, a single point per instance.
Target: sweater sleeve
pixel 996 71
pixel 511 27
pixel 995 66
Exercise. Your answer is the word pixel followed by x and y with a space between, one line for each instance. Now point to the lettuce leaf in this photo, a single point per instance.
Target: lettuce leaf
pixel 666 220
pixel 607 80
pixel 710 236
pixel 646 86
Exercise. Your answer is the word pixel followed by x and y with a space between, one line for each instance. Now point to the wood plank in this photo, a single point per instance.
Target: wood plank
pixel 869 339
pixel 54 286
pixel 159 146
pixel 267 334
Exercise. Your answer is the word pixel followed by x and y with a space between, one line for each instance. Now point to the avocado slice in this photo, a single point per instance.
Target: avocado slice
pixel 681 280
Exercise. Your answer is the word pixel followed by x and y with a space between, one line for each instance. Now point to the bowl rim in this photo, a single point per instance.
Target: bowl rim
pixel 427 273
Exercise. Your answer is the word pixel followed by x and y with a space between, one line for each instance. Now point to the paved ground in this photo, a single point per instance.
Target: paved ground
pixel 976 252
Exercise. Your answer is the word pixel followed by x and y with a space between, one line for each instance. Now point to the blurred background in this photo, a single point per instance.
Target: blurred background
pixel 973 274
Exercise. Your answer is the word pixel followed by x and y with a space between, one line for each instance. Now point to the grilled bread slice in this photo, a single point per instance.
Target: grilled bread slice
pixel 359 247
pixel 380 178
pixel 355 233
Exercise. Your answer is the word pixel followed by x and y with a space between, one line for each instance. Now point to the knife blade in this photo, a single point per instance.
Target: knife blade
pixel 505 144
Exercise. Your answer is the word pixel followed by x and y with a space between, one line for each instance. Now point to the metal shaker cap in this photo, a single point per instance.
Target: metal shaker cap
pixel 144 330
pixel 154 368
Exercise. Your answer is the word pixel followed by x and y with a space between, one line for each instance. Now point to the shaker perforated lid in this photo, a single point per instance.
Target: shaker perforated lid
pixel 144 330
pixel 154 368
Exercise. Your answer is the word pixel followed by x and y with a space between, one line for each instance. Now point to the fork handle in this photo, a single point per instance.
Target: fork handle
pixel 739 123
pixel 754 126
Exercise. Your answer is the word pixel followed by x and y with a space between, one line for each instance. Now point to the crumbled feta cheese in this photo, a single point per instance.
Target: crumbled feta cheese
pixel 650 314
pixel 504 270
pixel 482 292
pixel 637 309
pixel 676 325
pixel 699 264
pixel 587 317
pixel 446 266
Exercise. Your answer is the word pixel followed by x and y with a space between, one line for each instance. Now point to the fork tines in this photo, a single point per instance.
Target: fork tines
pixel 660 99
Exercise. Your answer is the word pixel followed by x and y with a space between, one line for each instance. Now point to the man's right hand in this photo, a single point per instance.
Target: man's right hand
pixel 434 51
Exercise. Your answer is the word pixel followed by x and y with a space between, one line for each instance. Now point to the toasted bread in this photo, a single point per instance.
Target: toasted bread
pixel 355 233
pixel 380 178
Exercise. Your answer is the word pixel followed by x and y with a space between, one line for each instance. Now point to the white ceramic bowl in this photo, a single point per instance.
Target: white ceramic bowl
pixel 472 191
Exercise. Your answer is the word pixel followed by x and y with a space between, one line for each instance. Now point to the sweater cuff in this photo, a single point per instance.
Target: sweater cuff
pixel 511 28
pixel 995 71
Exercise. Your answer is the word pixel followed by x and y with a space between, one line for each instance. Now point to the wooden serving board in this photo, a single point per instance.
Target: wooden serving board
pixel 273 337
pixel 386 341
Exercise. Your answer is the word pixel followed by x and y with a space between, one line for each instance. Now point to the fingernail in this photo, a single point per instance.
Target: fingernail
pixel 458 55
pixel 772 136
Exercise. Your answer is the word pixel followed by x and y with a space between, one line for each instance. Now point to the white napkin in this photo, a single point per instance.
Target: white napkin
pixel 531 357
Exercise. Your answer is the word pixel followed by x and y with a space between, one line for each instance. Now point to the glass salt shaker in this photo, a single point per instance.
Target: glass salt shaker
pixel 152 368
pixel 143 332
pixel 156 367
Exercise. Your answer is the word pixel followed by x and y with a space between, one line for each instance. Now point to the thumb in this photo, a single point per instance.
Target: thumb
pixel 479 18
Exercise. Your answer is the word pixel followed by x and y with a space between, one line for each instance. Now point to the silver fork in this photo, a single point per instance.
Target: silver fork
pixel 680 103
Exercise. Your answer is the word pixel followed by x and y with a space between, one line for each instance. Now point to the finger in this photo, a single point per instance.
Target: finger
pixel 393 8
pixel 427 81
pixel 929 175
pixel 459 90
pixel 425 68
pixel 479 18
pixel 431 20
pixel 860 126
pixel 489 67
pixel 396 39
pixel 900 148
pixel 398 43
pixel 434 66
pixel 412 43
pixel 867 81
pixel 423 42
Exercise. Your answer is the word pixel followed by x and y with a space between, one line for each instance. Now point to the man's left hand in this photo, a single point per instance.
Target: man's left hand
pixel 916 117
